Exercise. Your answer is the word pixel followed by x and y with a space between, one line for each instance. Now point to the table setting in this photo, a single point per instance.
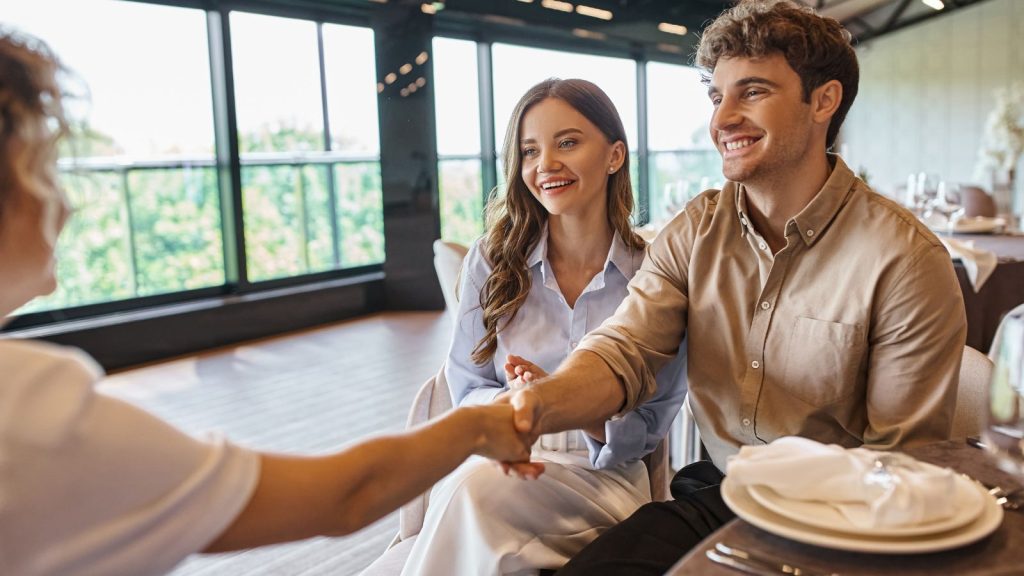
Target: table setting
pixel 811 509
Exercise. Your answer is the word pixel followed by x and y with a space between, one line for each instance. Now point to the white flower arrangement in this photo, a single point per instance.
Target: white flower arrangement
pixel 1003 142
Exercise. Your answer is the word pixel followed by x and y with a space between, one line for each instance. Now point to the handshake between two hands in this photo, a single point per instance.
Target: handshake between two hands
pixel 512 422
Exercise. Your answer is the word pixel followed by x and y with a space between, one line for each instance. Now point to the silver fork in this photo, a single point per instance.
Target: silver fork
pixel 762 560
pixel 1008 499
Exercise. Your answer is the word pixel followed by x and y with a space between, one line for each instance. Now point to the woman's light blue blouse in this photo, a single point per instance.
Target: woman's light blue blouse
pixel 545 331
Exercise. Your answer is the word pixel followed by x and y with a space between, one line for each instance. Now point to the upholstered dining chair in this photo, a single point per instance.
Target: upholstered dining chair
pixel 971 394
pixel 977 202
pixel 448 257
pixel 432 400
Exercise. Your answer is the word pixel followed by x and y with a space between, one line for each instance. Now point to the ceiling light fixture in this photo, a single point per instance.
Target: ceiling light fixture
pixel 677 29
pixel 670 48
pixel 934 4
pixel 581 33
pixel 428 8
pixel 556 5
pixel 422 57
pixel 594 12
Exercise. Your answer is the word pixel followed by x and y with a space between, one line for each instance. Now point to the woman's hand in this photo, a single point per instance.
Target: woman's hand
pixel 519 371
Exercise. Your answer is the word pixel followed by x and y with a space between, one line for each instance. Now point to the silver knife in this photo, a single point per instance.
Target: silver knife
pixel 738 564
pixel 777 565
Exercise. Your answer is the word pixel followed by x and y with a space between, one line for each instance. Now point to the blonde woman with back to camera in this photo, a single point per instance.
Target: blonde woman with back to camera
pixel 92 485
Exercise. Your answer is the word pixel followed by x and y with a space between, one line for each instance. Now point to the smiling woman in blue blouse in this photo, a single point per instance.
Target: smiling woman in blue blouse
pixel 553 265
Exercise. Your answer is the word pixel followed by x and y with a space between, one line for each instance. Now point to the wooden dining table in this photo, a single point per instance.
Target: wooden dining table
pixel 1001 553
pixel 1003 290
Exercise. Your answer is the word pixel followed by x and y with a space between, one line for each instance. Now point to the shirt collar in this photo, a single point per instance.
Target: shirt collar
pixel 619 255
pixel 540 251
pixel 812 221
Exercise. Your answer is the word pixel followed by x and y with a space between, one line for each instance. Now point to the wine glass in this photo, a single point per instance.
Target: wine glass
pixel 1004 433
pixel 947 204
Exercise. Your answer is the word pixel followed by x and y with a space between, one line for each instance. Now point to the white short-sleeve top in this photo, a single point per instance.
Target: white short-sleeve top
pixel 92 485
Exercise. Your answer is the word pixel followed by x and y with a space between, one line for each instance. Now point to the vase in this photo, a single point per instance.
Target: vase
pixel 1003 190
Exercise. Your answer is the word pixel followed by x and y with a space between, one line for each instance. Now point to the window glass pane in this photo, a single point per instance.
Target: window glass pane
pixel 176 226
pixel 277 84
pixel 361 211
pixel 350 65
pixel 678 109
pixel 677 177
pixel 456 97
pixel 461 200
pixel 517 68
pixel 286 229
pixel 138 169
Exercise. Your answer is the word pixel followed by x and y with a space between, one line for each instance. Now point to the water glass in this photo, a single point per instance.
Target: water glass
pixel 1004 433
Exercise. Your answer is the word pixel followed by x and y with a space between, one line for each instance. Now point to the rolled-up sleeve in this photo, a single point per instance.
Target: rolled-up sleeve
pixel 636 434
pixel 916 348
pixel 647 328
pixel 468 382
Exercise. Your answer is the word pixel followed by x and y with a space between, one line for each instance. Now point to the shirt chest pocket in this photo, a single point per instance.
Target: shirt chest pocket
pixel 823 360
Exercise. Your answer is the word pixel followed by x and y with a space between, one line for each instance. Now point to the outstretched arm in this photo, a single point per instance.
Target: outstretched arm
pixel 300 497
pixel 582 392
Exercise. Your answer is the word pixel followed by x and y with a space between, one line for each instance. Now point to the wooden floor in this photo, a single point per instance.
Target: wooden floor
pixel 309 392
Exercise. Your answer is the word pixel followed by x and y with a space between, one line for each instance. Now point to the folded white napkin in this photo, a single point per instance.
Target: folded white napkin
pixel 905 493
pixel 978 263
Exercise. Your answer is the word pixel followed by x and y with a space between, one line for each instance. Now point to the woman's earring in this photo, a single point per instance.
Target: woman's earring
pixel 611 170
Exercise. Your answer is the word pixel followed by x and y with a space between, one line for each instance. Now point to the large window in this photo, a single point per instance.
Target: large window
pixel 311 188
pixel 517 68
pixel 140 171
pixel 141 168
pixel 682 159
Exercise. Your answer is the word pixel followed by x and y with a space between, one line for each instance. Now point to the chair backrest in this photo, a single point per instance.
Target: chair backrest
pixel 448 257
pixel 433 399
pixel 971 394
pixel 977 202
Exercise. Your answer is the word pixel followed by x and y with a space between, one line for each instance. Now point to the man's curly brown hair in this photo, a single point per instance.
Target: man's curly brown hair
pixel 816 47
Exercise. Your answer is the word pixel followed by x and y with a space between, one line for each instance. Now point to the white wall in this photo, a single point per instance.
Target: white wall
pixel 926 91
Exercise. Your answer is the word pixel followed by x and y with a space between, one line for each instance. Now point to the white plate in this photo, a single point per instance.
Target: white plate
pixel 738 498
pixel 816 513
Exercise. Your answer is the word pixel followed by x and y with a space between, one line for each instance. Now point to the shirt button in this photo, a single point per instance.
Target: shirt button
pixel 755 364
pixel 746 421
pixel 573 343
pixel 762 246
pixel 765 305
pixel 810 232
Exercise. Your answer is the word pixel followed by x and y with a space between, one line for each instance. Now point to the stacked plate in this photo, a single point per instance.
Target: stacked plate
pixel 818 523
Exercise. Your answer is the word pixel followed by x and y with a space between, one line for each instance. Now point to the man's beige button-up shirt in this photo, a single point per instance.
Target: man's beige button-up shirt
pixel 851 334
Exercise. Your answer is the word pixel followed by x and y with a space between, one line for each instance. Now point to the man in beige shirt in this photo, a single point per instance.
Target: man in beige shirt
pixel 812 305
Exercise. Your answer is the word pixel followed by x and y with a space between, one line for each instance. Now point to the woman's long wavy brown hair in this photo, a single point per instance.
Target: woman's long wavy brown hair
pixel 515 218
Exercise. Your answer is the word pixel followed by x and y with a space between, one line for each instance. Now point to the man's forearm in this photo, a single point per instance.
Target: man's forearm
pixel 582 393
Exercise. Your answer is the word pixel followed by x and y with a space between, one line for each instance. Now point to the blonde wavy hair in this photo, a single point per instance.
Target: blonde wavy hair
pixel 515 218
pixel 32 117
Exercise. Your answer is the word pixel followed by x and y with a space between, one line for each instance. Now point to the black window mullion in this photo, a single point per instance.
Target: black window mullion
pixel 488 156
pixel 229 168
pixel 332 204
pixel 643 170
